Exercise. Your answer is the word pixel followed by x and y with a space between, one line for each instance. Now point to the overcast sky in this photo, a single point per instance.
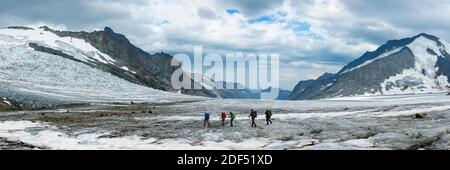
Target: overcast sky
pixel 312 36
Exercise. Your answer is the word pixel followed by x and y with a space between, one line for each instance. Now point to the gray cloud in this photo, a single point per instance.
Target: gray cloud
pixel 71 13
pixel 252 8
pixel 206 13
pixel 415 16
pixel 377 21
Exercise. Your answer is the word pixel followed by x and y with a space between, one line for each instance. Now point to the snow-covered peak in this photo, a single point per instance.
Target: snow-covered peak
pixel 422 45
pixel 79 48
pixel 420 64
pixel 425 77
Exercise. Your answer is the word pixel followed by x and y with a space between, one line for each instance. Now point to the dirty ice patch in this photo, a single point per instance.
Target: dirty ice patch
pixel 395 99
pixel 354 144
pixel 49 137
pixel 289 116
pixel 282 116
pixel 411 112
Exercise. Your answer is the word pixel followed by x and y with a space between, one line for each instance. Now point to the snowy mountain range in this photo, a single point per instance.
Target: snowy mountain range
pixel 42 66
pixel 239 91
pixel 420 64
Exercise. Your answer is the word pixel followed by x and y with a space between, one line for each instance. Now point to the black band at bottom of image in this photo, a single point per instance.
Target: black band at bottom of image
pixel 225 159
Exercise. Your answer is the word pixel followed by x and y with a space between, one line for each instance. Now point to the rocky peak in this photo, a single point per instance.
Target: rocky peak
pixel 19 28
pixel 419 64
pixel 108 30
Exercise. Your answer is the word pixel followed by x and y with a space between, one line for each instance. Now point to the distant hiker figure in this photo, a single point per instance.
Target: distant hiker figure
pixel 206 120
pixel 253 115
pixel 232 117
pixel 268 116
pixel 223 117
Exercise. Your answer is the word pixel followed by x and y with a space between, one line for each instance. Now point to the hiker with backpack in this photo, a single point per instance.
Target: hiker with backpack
pixel 232 117
pixel 206 120
pixel 268 116
pixel 223 117
pixel 253 115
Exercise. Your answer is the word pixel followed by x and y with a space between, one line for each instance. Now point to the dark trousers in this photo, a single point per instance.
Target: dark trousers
pixel 268 120
pixel 223 121
pixel 206 121
pixel 253 122
pixel 232 122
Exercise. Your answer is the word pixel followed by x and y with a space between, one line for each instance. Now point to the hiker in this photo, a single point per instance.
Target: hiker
pixel 206 120
pixel 232 117
pixel 223 117
pixel 253 115
pixel 268 116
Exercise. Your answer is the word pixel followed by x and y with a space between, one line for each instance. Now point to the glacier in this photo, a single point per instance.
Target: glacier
pixel 41 79
pixel 366 123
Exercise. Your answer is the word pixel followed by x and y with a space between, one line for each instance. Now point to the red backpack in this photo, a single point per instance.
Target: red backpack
pixel 224 115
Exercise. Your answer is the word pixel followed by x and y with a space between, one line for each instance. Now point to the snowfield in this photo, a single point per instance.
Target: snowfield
pixel 78 48
pixel 381 122
pixel 42 79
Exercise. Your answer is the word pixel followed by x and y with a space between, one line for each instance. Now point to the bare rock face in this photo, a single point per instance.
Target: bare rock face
pixel 152 70
pixel 19 27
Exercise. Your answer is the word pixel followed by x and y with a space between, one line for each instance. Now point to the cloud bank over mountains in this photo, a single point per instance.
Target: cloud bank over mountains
pixel 312 36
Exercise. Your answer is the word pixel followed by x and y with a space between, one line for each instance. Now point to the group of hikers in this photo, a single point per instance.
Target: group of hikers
pixel 232 115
